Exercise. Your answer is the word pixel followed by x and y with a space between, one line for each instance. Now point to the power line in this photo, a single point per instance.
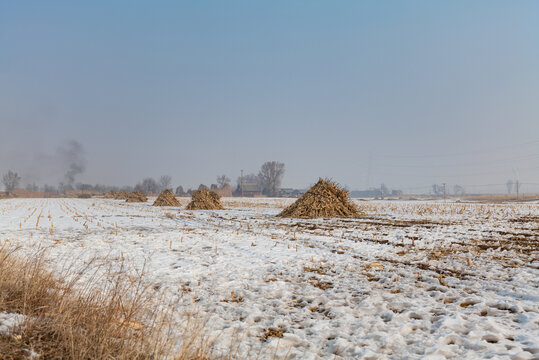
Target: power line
pixel 454 174
pixel 476 163
pixel 423 156
pixel 473 186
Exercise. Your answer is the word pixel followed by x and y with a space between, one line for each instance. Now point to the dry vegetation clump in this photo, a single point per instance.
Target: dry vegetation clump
pixel 110 315
pixel 166 198
pixel 272 333
pixel 110 195
pixel 500 198
pixel 121 195
pixel 205 200
pixel 324 200
pixel 136 196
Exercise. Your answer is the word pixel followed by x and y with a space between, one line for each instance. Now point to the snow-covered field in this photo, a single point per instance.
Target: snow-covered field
pixel 409 280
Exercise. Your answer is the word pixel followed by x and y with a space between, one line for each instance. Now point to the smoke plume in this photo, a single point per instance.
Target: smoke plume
pixel 73 157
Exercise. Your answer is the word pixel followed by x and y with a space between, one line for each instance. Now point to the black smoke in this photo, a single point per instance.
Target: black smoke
pixel 73 157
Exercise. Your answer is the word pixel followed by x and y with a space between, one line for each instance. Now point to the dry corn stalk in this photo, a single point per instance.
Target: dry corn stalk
pixel 324 200
pixel 205 200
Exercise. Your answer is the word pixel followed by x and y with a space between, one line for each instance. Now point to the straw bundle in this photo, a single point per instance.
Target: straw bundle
pixel 136 196
pixel 205 200
pixel 121 195
pixel 324 200
pixel 110 195
pixel 166 198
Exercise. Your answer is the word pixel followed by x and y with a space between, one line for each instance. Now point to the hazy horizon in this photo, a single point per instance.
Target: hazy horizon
pixel 405 94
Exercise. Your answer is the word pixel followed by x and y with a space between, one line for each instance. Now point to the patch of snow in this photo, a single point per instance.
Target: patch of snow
pixel 412 279
pixel 9 321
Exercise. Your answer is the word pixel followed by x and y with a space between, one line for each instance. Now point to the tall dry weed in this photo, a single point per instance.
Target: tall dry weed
pixel 102 311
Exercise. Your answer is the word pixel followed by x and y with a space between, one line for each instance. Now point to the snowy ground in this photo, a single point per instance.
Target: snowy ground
pixel 408 280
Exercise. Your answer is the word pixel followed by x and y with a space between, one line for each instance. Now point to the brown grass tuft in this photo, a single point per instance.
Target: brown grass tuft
pixel 100 312
pixel 272 333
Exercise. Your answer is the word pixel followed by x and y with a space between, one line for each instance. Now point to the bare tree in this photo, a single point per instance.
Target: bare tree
pixel 83 187
pixel 271 175
pixel 63 187
pixel 509 185
pixel 11 180
pixel 164 182
pixel 222 180
pixel 179 191
pixel 437 189
pixel 384 190
pixel 203 187
pixel 49 189
pixel 148 185
pixel 459 190
pixel 31 187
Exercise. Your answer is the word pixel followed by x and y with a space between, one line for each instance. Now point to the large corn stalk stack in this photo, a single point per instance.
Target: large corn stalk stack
pixel 324 200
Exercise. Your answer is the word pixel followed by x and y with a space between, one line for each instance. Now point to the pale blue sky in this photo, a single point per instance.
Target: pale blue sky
pixel 435 91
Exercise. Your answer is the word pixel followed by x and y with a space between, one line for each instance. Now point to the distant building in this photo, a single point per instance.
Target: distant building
pixel 249 190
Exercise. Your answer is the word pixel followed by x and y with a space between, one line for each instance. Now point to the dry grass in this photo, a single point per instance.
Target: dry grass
pixel 500 197
pixel 272 333
pixel 257 203
pixel 428 210
pixel 100 312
